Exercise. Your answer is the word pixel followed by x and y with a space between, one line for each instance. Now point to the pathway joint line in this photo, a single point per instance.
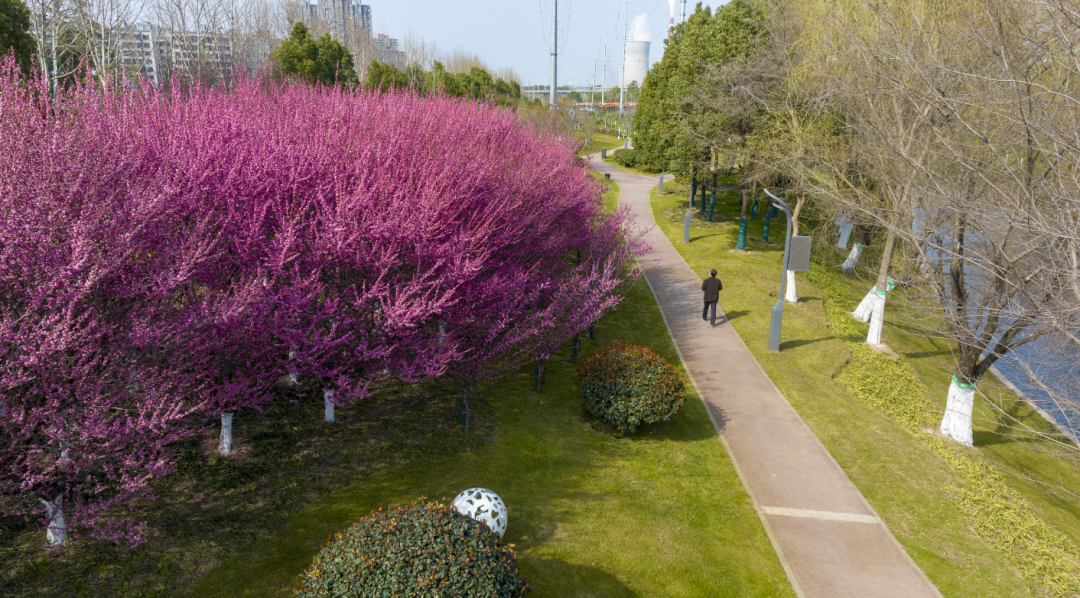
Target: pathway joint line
pixel 825 515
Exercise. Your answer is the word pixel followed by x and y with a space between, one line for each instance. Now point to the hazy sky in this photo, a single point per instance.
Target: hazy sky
pixel 517 33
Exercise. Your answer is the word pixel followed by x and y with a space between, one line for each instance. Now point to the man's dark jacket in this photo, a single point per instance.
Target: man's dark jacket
pixel 712 287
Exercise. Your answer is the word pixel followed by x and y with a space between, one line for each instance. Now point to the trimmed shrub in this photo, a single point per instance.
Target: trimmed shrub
pixel 424 549
pixel 626 386
pixel 627 157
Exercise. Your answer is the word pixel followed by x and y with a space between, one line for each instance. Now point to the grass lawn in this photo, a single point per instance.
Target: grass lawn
pixel 601 141
pixel 660 513
pixel 913 488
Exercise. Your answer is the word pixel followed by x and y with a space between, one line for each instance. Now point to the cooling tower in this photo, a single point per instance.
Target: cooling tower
pixel 637 62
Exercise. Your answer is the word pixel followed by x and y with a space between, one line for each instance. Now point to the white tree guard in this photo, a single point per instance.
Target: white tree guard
pixel 957 421
pixel 56 533
pixel 866 307
pixel 328 403
pixel 853 257
pixel 877 319
pixel 224 446
pixel 485 506
pixel 790 295
pixel 845 234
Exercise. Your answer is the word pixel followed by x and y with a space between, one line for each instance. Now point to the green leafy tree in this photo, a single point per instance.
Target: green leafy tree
pixel 322 60
pixel 15 32
pixel 672 129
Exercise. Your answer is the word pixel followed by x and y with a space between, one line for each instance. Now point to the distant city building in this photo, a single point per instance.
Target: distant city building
pixel 386 50
pixel 155 52
pixel 349 21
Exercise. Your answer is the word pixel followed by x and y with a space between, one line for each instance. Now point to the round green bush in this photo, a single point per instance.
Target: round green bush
pixel 627 386
pixel 424 549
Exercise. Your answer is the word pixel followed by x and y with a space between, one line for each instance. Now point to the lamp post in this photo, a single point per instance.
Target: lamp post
pixel 778 309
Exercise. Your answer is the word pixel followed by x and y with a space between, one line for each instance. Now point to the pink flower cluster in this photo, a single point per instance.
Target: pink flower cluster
pixel 165 257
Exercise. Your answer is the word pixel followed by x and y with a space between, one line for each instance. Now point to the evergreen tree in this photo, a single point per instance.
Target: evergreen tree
pixel 671 127
pixel 322 60
pixel 15 32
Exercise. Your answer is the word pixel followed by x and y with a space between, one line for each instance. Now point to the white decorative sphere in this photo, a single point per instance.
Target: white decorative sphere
pixel 483 505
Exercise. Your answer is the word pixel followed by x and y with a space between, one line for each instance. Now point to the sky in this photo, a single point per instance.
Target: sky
pixel 517 33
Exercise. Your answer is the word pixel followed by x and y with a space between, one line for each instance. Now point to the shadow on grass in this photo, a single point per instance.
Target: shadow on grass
pixel 728 316
pixel 803 342
pixel 589 580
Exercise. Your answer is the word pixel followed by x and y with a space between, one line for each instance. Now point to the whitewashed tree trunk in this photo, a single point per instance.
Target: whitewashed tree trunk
pixel 877 319
pixel 845 234
pixel 866 307
pixel 328 403
pixel 957 421
pixel 853 257
pixel 292 373
pixel 225 444
pixel 56 533
pixel 790 295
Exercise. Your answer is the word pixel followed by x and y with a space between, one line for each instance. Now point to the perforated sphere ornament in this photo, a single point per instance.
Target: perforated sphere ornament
pixel 483 505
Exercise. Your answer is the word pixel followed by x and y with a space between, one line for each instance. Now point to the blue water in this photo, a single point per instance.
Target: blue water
pixel 1055 369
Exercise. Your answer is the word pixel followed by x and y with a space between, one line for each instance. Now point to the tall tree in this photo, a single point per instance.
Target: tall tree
pixel 15 35
pixel 322 60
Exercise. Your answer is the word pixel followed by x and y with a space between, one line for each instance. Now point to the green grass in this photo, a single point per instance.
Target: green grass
pixel 658 513
pixel 601 141
pixel 910 484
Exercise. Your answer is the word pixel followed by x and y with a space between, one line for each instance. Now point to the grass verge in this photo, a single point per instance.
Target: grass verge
pixel 871 412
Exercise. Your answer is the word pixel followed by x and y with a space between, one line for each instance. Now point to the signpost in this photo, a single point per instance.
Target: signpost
pixel 796 259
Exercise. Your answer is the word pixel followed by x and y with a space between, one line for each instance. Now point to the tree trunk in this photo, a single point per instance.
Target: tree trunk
pixel 865 308
pixel 741 244
pixel 877 319
pixel 56 532
pixel 844 228
pixel 225 443
pixel 790 295
pixel 956 424
pixel 328 404
pixel 853 257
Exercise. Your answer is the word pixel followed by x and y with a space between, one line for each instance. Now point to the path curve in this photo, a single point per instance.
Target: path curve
pixel 829 539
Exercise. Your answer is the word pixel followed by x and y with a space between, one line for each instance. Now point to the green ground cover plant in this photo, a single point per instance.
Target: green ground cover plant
pixel 996 520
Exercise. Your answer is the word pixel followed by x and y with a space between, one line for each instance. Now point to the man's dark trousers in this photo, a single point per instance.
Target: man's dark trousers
pixel 705 312
pixel 711 287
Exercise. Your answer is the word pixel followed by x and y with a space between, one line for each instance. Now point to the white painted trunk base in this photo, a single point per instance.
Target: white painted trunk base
pixel 852 258
pixel 877 319
pixel 790 295
pixel 225 443
pixel 957 421
pixel 845 234
pixel 328 403
pixel 866 307
pixel 56 533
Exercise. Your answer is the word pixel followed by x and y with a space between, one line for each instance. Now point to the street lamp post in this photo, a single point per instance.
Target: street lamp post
pixel 778 309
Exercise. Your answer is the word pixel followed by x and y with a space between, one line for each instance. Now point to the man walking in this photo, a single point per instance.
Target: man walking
pixel 712 287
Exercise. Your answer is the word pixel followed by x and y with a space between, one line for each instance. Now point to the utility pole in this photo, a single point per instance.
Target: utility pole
pixel 622 70
pixel 592 91
pixel 554 52
pixel 603 86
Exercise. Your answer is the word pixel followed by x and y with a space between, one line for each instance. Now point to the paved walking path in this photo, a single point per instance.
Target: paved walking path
pixel 831 542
